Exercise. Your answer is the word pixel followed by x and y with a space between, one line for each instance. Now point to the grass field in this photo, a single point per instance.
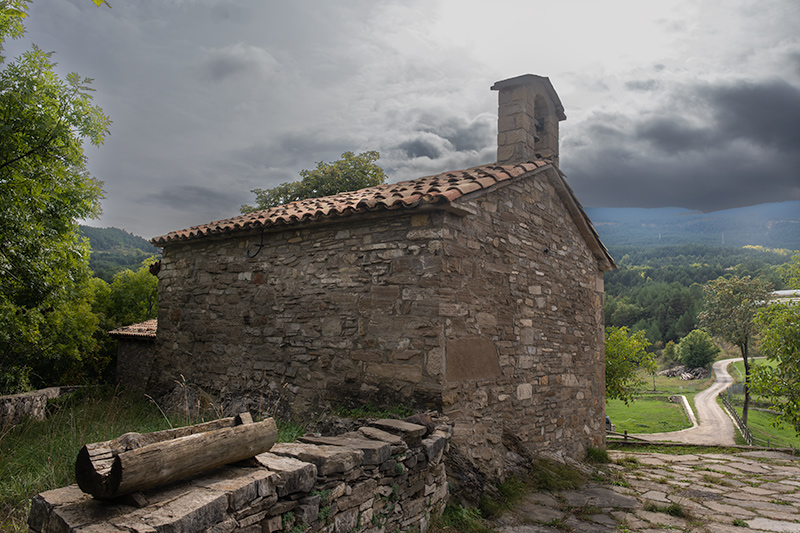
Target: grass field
pixel 647 415
pixel 651 411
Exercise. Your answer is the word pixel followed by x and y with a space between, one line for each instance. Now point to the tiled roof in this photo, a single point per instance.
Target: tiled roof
pixel 142 330
pixel 441 188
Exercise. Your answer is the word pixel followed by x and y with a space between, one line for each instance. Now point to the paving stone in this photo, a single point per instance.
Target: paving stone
pixel 661 519
pixel 732 510
pixel 599 497
pixel 766 524
pixel 656 496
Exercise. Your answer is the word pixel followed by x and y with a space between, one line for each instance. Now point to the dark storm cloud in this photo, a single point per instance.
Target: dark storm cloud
pixel 420 148
pixel 674 134
pixel 195 198
pixel 464 135
pixel 766 114
pixel 704 147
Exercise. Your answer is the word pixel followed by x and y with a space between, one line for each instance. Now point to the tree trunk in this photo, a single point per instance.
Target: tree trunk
pixel 105 474
pixel 746 405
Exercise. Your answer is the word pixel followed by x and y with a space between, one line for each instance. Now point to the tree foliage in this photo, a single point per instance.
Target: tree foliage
pixel 350 173
pixel 45 299
pixel 790 272
pixel 626 354
pixel 779 328
pixel 729 312
pixel 697 349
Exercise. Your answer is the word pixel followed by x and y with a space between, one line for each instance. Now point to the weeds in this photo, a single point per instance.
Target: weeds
pixel 597 455
pixel 740 523
pixel 717 480
pixel 510 492
pixel 673 509
pixel 459 519
pixel 552 476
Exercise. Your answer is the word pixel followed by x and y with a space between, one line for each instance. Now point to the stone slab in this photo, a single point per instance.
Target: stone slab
pixel 328 459
pixel 293 475
pixel 375 452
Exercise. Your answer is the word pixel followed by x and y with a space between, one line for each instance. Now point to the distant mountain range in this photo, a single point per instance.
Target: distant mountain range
pixel 775 225
pixel 115 249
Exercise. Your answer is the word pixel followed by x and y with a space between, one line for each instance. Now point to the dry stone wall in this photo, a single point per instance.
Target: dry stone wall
pixel 15 407
pixel 386 477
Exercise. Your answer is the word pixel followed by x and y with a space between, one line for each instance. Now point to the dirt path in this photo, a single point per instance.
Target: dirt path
pixel 714 425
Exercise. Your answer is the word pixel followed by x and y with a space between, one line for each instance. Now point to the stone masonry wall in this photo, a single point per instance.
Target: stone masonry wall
pixel 134 360
pixel 527 290
pixel 341 312
pixel 383 478
pixel 493 315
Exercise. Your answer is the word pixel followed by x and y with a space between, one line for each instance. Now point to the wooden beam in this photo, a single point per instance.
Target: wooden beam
pixel 105 474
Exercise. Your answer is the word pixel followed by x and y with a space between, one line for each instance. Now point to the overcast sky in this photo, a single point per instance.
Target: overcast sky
pixel 691 104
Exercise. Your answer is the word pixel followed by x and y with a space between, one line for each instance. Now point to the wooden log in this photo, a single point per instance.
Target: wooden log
pixel 165 461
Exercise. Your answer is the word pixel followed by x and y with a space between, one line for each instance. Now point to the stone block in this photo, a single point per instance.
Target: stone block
pixel 307 509
pixel 380 435
pixel 293 475
pixel 375 452
pixel 346 521
pixel 243 485
pixel 408 431
pixel 434 447
pixel 196 510
pixel 328 459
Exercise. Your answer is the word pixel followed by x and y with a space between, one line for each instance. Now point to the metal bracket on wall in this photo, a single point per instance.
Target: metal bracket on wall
pixel 259 246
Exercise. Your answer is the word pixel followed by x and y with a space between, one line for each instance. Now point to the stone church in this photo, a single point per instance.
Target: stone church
pixel 475 292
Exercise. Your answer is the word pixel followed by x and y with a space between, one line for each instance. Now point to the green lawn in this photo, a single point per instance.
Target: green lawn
pixel 647 414
pixel 652 412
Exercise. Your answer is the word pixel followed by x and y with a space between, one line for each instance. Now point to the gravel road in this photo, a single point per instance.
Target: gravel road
pixel 714 425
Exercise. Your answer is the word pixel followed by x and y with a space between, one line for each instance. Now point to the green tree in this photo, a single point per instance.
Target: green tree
pixel 790 272
pixel 350 173
pixel 670 352
pixel 131 297
pixel 697 349
pixel 626 354
pixel 728 312
pixel 44 189
pixel 779 328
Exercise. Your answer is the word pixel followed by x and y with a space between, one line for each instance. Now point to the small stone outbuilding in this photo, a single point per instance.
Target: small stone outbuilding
pixel 135 352
pixel 476 292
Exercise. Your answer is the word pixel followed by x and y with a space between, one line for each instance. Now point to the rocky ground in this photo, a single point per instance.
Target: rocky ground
pixel 649 492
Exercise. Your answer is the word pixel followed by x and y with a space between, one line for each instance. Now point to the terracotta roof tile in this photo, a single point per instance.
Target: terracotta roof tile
pixel 441 188
pixel 142 330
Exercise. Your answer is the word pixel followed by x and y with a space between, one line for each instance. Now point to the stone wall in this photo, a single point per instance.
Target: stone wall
pixel 134 361
pixel 386 477
pixel 341 312
pixel 15 407
pixel 527 316
pixel 491 312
